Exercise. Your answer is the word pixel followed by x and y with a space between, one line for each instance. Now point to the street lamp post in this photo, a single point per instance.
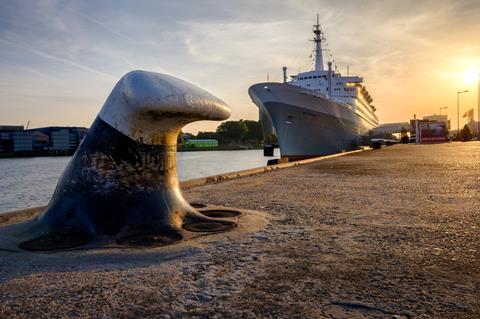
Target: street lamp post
pixel 458 110
pixel 478 102
pixel 442 108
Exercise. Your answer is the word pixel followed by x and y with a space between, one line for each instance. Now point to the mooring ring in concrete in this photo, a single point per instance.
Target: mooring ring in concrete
pixel 220 213
pixel 209 226
pixel 57 240
pixel 198 205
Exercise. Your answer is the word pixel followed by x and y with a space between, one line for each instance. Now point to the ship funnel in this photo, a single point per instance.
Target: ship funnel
pixel 284 74
pixel 122 181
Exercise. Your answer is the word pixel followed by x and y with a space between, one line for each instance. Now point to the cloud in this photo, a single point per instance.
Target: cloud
pixel 234 44
pixel 49 56
pixel 101 24
pixel 79 48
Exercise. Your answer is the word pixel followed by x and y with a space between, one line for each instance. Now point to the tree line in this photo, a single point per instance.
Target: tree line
pixel 243 132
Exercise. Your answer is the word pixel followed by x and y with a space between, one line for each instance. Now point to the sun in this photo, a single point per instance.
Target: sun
pixel 471 76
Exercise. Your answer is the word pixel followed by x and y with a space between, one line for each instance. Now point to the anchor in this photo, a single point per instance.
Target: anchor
pixel 122 181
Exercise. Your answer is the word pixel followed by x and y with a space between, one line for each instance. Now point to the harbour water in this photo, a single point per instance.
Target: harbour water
pixel 30 182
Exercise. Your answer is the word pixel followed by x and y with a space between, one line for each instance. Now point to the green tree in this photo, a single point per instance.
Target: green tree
pixel 465 134
pixel 232 132
pixel 255 132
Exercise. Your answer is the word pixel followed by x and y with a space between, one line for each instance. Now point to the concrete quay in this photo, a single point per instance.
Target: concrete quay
pixel 392 233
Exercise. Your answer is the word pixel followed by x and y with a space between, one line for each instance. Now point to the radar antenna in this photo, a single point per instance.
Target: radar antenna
pixel 318 39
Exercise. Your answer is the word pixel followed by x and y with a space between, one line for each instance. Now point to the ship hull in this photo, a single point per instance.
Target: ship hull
pixel 308 124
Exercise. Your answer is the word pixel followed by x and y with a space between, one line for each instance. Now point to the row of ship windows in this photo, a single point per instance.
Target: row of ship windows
pixel 319 77
pixel 346 96
pixel 313 77
pixel 336 89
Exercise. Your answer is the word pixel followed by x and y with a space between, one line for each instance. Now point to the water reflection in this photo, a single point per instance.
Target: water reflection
pixel 30 182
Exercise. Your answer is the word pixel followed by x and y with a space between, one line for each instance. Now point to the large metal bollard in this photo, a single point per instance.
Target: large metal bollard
pixel 122 181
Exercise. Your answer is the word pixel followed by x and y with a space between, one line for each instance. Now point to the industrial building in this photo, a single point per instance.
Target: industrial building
pixel 40 141
pixel 14 138
pixel 22 141
pixel 43 140
pixel 438 118
pixel 431 129
pixel 63 138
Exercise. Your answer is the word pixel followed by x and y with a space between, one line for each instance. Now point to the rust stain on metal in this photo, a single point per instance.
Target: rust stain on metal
pixel 122 181
pixel 155 138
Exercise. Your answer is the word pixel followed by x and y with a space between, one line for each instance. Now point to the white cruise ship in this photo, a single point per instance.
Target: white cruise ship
pixel 317 112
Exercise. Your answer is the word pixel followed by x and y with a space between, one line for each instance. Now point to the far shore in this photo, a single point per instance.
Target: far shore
pixel 51 153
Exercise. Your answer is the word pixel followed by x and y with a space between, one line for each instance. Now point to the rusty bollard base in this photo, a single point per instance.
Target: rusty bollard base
pixel 117 187
pixel 122 181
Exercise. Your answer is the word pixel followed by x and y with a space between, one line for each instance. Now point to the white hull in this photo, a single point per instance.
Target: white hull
pixel 308 124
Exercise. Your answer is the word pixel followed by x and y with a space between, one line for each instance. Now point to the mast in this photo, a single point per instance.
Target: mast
pixel 318 46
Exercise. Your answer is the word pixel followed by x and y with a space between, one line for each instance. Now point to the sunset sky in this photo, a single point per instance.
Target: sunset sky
pixel 59 60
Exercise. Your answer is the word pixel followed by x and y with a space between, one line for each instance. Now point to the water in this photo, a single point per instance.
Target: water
pixel 30 182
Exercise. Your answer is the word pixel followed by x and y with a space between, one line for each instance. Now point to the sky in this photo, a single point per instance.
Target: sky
pixel 59 60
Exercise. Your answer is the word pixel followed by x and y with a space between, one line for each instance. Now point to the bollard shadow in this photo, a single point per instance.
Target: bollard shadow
pixel 21 263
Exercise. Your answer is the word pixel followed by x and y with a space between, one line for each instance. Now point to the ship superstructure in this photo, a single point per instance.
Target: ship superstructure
pixel 317 112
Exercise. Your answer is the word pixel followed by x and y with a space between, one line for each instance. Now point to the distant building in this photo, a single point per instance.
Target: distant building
pixel 22 141
pixel 392 128
pixel 438 118
pixel 430 131
pixel 6 144
pixel 182 137
pixel 41 141
pixel 10 128
pixel 201 143
pixel 60 140
pixel 14 138
pixel 63 138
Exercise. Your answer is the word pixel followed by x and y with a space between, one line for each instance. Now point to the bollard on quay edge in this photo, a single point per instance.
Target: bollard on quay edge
pixel 122 181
